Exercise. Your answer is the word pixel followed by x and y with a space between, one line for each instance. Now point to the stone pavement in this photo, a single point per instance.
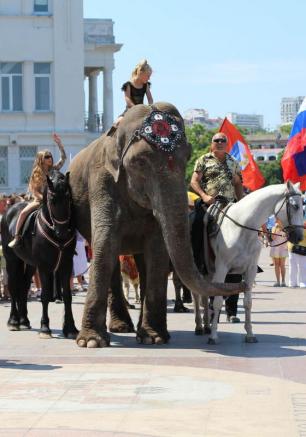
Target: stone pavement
pixel 185 388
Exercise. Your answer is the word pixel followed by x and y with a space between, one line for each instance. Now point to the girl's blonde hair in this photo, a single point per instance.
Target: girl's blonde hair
pixel 141 67
pixel 38 177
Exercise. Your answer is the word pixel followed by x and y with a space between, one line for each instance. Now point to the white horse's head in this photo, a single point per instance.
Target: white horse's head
pixel 290 211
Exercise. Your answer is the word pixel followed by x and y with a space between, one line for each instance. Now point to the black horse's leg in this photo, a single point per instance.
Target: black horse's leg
pixel 46 279
pixel 69 329
pixel 23 303
pixel 15 270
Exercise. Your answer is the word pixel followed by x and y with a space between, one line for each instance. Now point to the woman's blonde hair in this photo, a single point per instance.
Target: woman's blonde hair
pixel 38 177
pixel 141 67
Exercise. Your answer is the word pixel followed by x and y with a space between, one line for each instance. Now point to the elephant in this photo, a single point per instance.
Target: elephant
pixel 129 195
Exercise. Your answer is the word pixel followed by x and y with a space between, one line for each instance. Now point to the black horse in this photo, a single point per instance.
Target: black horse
pixel 48 243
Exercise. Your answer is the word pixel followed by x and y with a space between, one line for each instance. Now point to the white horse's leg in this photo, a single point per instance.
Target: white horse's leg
pixel 217 306
pixel 247 303
pixel 197 314
pixel 219 276
pixel 206 318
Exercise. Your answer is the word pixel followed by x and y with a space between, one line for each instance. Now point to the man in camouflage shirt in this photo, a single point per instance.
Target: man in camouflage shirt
pixel 215 174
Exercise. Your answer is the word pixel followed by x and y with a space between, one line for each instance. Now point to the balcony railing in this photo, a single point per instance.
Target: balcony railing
pixel 93 122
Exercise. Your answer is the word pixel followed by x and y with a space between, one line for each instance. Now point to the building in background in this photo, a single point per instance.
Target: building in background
pixel 201 116
pixel 252 122
pixel 266 146
pixel 50 51
pixel 289 108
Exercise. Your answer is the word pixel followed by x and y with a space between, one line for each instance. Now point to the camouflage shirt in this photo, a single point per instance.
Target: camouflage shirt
pixel 218 175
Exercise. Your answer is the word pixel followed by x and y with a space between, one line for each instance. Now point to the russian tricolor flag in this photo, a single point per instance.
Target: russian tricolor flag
pixel 238 148
pixel 294 159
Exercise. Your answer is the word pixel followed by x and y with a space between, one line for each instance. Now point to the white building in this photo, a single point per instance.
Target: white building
pixel 289 108
pixel 201 116
pixel 47 51
pixel 249 121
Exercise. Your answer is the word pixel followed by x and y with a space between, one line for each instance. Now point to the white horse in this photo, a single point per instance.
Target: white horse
pixel 237 247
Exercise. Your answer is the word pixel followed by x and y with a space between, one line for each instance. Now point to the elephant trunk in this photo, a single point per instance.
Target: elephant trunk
pixel 172 214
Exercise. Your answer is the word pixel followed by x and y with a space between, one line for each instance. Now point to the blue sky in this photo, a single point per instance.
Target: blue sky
pixel 223 56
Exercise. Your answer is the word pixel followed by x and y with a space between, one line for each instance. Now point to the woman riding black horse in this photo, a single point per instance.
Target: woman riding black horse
pixel 47 243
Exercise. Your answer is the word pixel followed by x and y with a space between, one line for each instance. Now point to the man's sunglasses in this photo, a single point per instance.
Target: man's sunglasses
pixel 47 156
pixel 219 140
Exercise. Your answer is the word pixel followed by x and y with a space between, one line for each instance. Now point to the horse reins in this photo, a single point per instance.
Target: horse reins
pixel 59 246
pixel 260 231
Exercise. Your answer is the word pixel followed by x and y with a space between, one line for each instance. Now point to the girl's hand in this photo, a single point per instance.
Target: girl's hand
pixel 57 140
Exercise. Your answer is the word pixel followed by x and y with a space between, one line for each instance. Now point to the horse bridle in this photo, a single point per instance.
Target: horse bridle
pixel 60 246
pixel 287 198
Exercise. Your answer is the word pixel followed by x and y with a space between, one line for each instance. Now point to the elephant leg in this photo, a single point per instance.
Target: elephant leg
pixel 120 320
pixel 69 329
pixel 153 326
pixel 93 331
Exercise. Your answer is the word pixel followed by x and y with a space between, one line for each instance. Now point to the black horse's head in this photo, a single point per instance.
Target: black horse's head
pixel 57 202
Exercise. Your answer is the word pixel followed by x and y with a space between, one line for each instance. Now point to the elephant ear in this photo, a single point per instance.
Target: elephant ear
pixel 112 159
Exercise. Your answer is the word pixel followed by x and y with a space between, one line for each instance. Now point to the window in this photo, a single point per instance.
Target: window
pixel 42 86
pixel 3 166
pixel 11 86
pixel 27 155
pixel 272 158
pixel 41 6
pixel 260 158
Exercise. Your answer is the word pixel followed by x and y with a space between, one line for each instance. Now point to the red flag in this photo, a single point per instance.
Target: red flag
pixel 294 159
pixel 238 148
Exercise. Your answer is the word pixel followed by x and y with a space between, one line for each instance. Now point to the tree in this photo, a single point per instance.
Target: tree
pixel 286 129
pixel 272 171
pixel 200 138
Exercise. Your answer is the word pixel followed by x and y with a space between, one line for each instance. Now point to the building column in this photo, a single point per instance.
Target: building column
pixel 28 89
pixel 108 112
pixel 93 100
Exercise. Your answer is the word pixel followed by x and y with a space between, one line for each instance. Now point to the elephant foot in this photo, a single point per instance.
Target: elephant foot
pixel 70 332
pixel 198 331
pixel 179 307
pixel 213 341
pixel 120 326
pixel 251 339
pixel 92 339
pixel 149 336
pixel 207 330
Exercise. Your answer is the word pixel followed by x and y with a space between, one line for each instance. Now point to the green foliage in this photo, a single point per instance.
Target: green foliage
pixel 272 170
pixel 286 129
pixel 200 138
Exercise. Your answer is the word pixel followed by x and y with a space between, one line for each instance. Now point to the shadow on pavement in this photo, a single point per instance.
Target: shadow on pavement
pixel 13 364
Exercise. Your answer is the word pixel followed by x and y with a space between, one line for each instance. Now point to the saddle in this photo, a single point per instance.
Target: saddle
pixel 212 219
pixel 29 223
